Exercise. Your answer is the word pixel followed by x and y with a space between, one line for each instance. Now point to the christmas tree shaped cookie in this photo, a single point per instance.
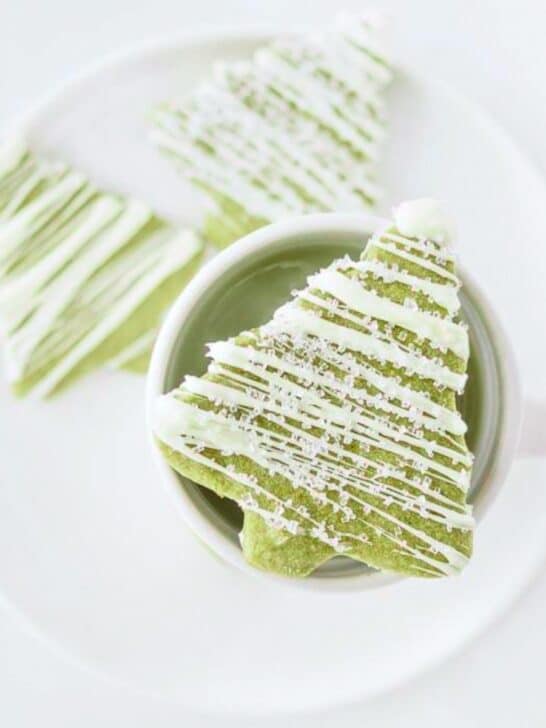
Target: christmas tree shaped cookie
pixel 84 275
pixel 334 426
pixel 295 129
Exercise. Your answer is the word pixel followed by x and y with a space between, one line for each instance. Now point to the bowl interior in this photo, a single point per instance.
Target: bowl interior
pixel 247 294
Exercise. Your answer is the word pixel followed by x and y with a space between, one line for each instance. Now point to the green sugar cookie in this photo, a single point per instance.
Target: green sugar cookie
pixel 296 129
pixel 85 276
pixel 334 426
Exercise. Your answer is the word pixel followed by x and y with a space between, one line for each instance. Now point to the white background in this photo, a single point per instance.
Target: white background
pixel 494 52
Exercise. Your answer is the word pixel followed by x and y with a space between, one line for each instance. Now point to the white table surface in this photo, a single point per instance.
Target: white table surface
pixel 493 51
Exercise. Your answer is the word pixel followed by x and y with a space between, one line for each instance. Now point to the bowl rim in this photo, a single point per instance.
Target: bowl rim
pixel 268 237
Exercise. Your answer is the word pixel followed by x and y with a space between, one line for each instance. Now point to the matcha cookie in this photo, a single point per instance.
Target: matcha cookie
pixel 85 276
pixel 296 129
pixel 334 426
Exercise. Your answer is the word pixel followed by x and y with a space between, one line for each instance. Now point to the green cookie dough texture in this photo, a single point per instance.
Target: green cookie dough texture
pixel 85 276
pixel 334 426
pixel 296 129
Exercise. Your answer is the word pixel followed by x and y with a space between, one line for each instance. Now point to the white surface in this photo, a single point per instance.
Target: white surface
pixel 510 83
pixel 129 592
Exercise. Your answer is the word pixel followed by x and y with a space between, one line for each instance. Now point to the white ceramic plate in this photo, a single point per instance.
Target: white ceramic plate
pixel 92 550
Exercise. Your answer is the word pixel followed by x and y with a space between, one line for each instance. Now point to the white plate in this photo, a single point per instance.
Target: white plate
pixel 91 548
